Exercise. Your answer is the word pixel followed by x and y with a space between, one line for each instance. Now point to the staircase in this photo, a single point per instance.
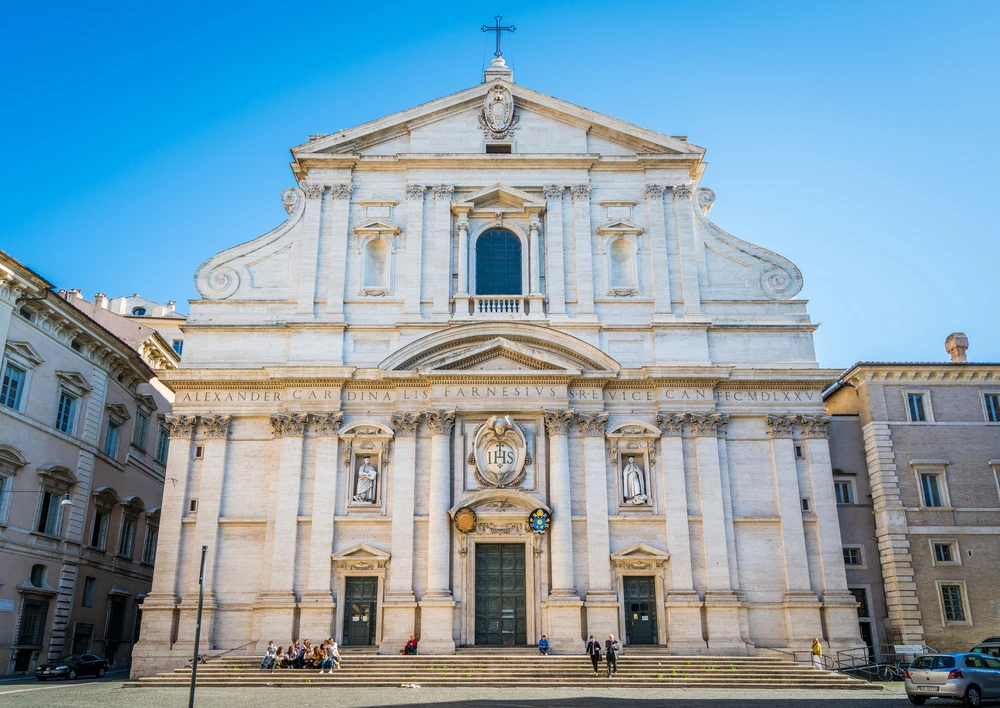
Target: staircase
pixel 637 669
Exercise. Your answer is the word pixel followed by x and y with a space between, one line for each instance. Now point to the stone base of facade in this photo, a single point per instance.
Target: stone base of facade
pixel 684 632
pixel 725 617
pixel 565 624
pixel 802 617
pixel 317 616
pixel 274 619
pixel 602 615
pixel 399 621
pixel 437 619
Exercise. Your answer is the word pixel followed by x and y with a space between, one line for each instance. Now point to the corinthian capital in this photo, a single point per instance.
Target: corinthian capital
pixel 655 191
pixel 288 424
pixel 180 426
pixel 443 191
pixel 593 423
pixel 440 422
pixel 815 426
pixel 670 423
pixel 327 423
pixel 682 192
pixel 405 424
pixel 415 191
pixel 706 424
pixel 557 422
pixel 581 192
pixel 780 426
pixel 341 192
pixel 553 191
pixel 313 190
pixel 216 426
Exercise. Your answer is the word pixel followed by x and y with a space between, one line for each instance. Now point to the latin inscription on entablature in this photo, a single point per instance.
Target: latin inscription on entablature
pixel 768 396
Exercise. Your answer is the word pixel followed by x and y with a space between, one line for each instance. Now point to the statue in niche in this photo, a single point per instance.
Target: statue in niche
pixel 634 484
pixel 365 490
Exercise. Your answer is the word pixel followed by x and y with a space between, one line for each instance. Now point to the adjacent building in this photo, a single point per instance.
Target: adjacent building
pixel 915 449
pixel 499 375
pixel 82 454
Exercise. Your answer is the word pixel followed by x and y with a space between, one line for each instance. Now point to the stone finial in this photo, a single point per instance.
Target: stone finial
pixel 557 422
pixel 956 344
pixel 440 422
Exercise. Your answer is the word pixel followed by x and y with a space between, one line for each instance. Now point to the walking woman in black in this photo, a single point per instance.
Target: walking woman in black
pixel 594 651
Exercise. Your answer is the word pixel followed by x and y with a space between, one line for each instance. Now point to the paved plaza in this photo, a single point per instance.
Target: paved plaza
pixel 110 694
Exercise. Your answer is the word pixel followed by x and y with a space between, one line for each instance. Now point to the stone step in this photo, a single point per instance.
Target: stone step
pixel 580 682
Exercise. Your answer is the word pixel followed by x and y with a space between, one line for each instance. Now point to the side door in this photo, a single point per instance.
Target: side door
pixel 90 664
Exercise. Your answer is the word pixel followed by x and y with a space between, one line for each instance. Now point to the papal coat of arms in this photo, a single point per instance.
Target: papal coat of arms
pixel 500 451
pixel 498 117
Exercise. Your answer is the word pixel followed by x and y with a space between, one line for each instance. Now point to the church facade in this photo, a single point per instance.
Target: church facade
pixel 497 376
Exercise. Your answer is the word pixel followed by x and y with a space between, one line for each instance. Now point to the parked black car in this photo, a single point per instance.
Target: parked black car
pixel 69 667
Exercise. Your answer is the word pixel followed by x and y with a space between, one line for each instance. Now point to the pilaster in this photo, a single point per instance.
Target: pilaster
pixel 399 612
pixel 555 268
pixel 563 605
pixel 339 227
pixel 688 253
pixel 584 252
pixel 441 279
pixel 601 601
pixel 317 607
pixel 437 605
pixel 462 296
pixel 308 248
pixel 801 619
pixel 414 250
pixel 662 309
pixel 536 307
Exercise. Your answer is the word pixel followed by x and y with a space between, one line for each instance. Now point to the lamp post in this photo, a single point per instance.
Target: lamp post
pixel 197 631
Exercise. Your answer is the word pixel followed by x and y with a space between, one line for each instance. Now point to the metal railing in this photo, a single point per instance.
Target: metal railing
pixel 204 658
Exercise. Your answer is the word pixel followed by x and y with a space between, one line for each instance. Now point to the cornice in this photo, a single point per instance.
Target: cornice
pixel 931 373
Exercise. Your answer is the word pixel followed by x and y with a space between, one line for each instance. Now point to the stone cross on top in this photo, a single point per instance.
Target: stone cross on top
pixel 498 29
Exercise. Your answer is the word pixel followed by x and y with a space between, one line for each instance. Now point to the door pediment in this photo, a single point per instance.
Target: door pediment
pixel 639 556
pixel 360 557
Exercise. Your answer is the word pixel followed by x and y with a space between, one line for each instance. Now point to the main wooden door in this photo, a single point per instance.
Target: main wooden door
pixel 500 594
pixel 640 610
pixel 360 597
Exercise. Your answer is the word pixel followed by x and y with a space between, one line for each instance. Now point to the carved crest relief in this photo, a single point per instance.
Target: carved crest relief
pixel 500 451
pixel 499 118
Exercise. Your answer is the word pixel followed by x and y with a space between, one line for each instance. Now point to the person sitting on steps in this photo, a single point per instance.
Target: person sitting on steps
pixel 543 646
pixel 269 655
pixel 411 646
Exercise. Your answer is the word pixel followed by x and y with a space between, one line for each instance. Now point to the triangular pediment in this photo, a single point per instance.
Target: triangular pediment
pixel 501 354
pixel 499 197
pixel 25 350
pixel 622 226
pixel 360 552
pixel 640 556
pixel 74 380
pixel 373 226
pixel 392 132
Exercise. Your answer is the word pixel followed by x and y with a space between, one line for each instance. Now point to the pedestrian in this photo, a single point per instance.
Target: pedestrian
pixel 543 646
pixel 269 656
pixel 594 651
pixel 817 654
pixel 611 648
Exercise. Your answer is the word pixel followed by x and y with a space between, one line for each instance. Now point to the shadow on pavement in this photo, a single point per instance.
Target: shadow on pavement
pixel 680 702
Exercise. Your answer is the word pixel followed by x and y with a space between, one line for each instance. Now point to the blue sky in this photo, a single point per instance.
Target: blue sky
pixel 858 139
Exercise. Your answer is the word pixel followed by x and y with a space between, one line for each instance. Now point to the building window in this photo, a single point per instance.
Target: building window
pixel 498 263
pixel 26 313
pixel 111 439
pixel 6 490
pixel 861 596
pixel 845 494
pixel 89 585
pixel 953 602
pixel 48 516
pixel 126 539
pixel 149 544
pixel 199 452
pixel 32 625
pixel 805 503
pixel 138 311
pixel 178 345
pixel 945 552
pixel 193 505
pixel 82 636
pixel 915 407
pixel 930 486
pixel 76 346
pixel 38 576
pixel 139 431
pixel 852 556
pixel 13 384
pixel 66 412
pixel 992 403
pixel 800 452
pixel 99 534
pixel 162 445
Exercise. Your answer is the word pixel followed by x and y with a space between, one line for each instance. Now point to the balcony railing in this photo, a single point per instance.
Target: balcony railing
pixel 499 306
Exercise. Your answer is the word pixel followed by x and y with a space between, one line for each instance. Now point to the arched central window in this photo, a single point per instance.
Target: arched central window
pixel 498 263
